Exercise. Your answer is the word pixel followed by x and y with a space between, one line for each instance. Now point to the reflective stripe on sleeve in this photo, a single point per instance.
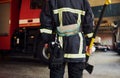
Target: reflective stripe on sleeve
pixel 80 54
pixel 89 35
pixel 46 31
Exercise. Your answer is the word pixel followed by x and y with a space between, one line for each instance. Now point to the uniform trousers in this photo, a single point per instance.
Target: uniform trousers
pixel 75 70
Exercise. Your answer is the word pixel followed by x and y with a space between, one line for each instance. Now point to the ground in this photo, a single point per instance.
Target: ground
pixel 106 65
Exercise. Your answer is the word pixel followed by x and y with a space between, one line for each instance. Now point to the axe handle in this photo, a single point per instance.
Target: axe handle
pixel 107 2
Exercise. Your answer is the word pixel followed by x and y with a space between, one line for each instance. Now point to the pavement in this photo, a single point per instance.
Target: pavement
pixel 106 65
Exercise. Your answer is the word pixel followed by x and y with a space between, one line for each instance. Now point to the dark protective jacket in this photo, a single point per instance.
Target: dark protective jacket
pixel 57 13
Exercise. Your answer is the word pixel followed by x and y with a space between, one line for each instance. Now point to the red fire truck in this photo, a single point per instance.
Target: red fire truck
pixel 19 28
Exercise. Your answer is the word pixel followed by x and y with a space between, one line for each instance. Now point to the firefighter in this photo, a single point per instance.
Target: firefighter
pixel 72 21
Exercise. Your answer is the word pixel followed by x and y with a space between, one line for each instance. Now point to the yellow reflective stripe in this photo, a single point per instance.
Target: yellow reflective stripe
pixel 46 31
pixel 61 10
pixel 61 41
pixel 74 55
pixel 80 54
pixel 60 18
pixel 79 19
pixel 89 35
pixel 69 10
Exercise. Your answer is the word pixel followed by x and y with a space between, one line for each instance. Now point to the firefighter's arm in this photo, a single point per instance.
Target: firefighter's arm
pixel 46 22
pixel 87 23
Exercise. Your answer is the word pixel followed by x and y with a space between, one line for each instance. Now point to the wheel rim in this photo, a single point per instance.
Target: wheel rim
pixel 45 53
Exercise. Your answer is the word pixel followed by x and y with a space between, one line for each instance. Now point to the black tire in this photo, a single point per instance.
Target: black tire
pixel 105 49
pixel 42 52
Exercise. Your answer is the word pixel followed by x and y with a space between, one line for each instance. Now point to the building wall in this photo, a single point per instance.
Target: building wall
pixel 101 2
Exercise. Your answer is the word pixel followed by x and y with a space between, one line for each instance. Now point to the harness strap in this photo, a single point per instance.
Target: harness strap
pixel 76 11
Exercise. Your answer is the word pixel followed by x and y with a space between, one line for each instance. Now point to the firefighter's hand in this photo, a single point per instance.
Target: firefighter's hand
pixel 88 49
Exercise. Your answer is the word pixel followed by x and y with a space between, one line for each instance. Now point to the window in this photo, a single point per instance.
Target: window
pixel 36 4
pixel 4 18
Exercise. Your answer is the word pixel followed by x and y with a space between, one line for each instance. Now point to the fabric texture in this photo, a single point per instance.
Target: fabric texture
pixel 75 70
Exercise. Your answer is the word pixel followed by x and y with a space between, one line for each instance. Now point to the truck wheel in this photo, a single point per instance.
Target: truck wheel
pixel 44 54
